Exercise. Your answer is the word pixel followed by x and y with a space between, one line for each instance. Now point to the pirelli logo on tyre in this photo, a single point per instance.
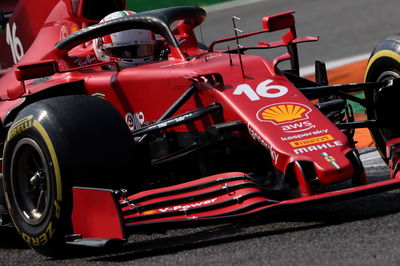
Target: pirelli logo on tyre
pixel 281 113
pixel 20 126
pixel 311 141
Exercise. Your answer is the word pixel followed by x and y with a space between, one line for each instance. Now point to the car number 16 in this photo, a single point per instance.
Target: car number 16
pixel 14 42
pixel 263 90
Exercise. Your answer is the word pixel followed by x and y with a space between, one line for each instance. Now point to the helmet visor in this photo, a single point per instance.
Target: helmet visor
pixel 131 51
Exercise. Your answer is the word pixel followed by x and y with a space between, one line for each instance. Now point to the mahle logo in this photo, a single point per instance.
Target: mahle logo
pixel 281 113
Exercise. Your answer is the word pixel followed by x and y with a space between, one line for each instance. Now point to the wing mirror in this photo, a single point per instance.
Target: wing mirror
pixel 279 21
pixel 36 70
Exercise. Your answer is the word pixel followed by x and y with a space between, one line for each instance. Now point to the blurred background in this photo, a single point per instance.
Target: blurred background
pixel 143 5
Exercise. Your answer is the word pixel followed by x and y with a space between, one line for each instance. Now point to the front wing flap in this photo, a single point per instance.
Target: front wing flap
pixel 101 214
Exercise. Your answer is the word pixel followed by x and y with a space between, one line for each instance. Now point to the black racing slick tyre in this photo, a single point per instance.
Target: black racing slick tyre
pixel 382 104
pixel 53 145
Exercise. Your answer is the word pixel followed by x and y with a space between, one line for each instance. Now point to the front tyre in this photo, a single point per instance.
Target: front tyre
pixel 384 64
pixel 38 196
pixel 53 145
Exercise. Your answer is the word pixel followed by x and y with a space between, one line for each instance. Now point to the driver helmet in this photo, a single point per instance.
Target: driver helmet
pixel 129 48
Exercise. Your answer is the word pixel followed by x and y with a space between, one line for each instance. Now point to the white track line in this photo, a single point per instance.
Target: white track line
pixel 230 4
pixel 309 70
pixel 370 156
pixel 304 71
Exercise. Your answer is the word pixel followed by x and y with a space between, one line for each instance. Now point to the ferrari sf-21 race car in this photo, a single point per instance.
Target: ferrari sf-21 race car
pixel 93 153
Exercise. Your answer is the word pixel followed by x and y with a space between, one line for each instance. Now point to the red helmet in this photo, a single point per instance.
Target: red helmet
pixel 130 47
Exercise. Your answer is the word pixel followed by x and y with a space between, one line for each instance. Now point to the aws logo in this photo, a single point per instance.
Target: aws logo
pixel 297 127
pixel 282 113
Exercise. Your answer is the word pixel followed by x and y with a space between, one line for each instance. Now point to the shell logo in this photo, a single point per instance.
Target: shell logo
pixel 74 28
pixel 281 113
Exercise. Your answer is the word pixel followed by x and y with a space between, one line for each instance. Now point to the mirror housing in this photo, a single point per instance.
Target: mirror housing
pixel 279 21
pixel 36 70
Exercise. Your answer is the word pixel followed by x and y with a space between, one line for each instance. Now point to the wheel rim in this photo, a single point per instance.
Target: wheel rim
pixel 384 108
pixel 388 75
pixel 30 181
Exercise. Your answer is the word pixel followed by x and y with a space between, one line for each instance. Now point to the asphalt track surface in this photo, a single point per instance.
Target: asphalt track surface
pixel 361 231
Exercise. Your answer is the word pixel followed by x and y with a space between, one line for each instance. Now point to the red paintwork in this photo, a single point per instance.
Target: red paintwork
pixel 278 116
pixel 228 192
pixel 162 83
pixel 188 211
pixel 28 16
pixel 97 220
pixel 392 149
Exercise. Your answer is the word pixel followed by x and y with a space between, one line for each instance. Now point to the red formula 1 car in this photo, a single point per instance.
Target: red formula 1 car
pixel 93 153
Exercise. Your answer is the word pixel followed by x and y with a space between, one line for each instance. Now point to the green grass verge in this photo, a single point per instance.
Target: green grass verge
pixel 357 108
pixel 143 5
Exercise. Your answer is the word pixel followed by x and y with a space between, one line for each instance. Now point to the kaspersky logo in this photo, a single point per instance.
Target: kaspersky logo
pixel 281 113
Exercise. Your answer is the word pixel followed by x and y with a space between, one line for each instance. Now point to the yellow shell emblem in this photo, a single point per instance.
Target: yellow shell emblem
pixel 281 113
pixel 74 28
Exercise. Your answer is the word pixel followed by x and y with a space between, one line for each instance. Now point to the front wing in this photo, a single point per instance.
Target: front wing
pixel 101 215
